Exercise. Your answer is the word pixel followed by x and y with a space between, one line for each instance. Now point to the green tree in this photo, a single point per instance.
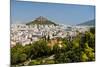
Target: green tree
pixel 89 52
pixel 92 30
pixel 84 57
pixel 14 58
pixel 22 57
pixel 17 54
pixel 40 49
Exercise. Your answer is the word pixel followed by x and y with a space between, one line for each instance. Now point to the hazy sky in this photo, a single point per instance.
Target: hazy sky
pixel 22 12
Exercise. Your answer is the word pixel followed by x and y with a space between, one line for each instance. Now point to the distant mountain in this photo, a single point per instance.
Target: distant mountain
pixel 41 21
pixel 88 23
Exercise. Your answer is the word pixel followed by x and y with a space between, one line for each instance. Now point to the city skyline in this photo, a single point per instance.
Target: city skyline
pixel 23 12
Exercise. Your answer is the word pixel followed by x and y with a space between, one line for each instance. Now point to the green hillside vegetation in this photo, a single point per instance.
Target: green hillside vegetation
pixel 41 21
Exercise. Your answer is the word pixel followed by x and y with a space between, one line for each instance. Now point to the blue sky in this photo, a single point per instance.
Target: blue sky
pixel 23 12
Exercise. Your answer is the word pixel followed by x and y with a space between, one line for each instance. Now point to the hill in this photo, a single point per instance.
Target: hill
pixel 88 23
pixel 41 21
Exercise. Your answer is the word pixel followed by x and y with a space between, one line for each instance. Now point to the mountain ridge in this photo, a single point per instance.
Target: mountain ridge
pixel 88 23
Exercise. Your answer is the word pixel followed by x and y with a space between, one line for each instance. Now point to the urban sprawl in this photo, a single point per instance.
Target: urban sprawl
pixel 26 34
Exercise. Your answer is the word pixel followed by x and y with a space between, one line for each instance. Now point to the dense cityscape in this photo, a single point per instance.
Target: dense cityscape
pixel 24 34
